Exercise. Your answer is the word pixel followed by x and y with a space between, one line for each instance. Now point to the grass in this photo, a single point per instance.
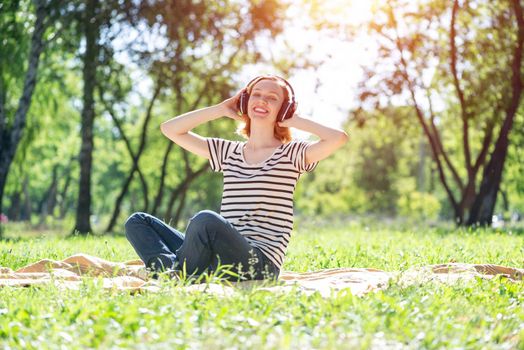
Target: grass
pixel 480 314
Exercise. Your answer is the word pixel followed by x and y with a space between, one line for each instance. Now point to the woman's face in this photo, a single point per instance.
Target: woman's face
pixel 265 100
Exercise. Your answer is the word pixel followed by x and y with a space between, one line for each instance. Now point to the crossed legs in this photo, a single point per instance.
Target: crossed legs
pixel 209 240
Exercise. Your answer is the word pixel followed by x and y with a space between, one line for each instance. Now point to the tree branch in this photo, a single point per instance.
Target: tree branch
pixel 3 117
pixel 37 46
pixel 129 148
pixel 438 141
pixel 420 115
pixel 486 142
pixel 460 93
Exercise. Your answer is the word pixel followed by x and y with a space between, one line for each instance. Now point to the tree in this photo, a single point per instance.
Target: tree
pixel 455 55
pixel 13 119
pixel 91 28
pixel 484 204
pixel 98 27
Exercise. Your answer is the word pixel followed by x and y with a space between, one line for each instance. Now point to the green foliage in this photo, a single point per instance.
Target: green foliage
pixel 15 24
pixel 51 141
pixel 201 48
pixel 512 182
pixel 428 316
pixel 381 163
pixel 417 205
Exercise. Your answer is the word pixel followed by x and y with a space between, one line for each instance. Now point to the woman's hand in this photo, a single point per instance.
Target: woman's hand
pixel 291 122
pixel 229 107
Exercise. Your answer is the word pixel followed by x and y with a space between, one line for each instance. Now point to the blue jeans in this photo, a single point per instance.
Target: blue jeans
pixel 209 240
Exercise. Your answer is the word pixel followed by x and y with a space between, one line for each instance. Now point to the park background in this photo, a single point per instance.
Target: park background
pixel 429 92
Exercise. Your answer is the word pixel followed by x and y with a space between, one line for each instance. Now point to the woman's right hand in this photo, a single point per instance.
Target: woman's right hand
pixel 229 107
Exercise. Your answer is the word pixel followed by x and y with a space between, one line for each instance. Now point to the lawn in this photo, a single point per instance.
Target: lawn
pixel 480 314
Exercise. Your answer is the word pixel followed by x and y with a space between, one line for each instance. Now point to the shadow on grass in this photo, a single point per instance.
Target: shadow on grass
pixel 378 222
pixel 35 234
pixel 77 235
pixel 18 231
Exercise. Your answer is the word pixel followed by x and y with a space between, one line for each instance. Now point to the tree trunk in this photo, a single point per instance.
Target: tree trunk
pixel 484 205
pixel 505 200
pixel 181 190
pixel 51 201
pixel 27 201
pixel 3 179
pixel 13 213
pixel 177 193
pixel 160 193
pixel 11 136
pixel 83 208
pixel 63 197
pixel 49 197
pixel 181 205
pixel 120 198
pixel 421 169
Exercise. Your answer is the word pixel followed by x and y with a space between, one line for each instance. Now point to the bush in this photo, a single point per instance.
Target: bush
pixel 419 205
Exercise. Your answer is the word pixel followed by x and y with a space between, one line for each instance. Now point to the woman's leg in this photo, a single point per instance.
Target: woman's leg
pixel 154 241
pixel 210 239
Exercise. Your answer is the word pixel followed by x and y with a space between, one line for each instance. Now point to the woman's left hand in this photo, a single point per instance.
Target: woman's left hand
pixel 291 122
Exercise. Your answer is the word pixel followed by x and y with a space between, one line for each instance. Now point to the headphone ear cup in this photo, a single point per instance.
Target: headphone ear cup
pixel 242 102
pixel 281 116
pixel 286 111
pixel 293 109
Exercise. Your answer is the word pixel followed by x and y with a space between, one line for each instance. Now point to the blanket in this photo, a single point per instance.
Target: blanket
pixel 132 276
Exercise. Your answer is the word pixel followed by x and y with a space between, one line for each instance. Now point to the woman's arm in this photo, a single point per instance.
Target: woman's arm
pixel 178 129
pixel 331 139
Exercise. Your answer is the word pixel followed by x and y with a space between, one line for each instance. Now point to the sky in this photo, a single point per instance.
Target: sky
pixel 325 94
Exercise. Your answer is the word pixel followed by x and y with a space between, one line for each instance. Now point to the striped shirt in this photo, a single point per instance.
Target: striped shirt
pixel 258 198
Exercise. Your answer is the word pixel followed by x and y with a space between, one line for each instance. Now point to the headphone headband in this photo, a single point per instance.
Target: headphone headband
pixel 291 92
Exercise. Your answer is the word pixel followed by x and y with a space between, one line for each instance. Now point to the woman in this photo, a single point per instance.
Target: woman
pixel 252 231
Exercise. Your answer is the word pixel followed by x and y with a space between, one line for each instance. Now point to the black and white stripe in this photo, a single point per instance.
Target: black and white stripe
pixel 258 198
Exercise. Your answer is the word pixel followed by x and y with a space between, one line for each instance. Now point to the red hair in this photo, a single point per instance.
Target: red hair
pixel 280 132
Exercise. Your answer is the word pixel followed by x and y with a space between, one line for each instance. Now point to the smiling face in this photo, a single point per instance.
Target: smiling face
pixel 265 100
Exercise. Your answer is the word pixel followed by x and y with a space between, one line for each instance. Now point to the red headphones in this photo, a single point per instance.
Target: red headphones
pixel 288 107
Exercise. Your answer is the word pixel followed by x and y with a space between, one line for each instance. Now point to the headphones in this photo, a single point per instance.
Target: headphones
pixel 288 107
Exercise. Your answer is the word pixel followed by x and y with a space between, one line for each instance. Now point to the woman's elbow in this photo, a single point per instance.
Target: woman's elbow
pixel 343 138
pixel 163 128
pixel 167 129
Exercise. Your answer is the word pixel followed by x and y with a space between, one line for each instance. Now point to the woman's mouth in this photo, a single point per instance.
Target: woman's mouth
pixel 260 110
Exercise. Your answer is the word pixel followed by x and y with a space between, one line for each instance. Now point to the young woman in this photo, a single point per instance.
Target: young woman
pixel 254 226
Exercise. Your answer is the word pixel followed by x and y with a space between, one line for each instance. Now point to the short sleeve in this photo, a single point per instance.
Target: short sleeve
pixel 298 156
pixel 219 149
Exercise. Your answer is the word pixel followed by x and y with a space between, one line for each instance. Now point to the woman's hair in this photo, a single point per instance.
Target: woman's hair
pixel 281 133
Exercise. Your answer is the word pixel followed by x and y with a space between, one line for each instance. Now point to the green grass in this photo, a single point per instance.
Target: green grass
pixel 480 314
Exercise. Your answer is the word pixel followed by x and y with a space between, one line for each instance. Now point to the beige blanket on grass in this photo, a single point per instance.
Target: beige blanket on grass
pixel 132 276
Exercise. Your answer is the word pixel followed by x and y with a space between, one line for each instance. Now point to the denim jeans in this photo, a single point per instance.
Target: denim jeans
pixel 209 240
